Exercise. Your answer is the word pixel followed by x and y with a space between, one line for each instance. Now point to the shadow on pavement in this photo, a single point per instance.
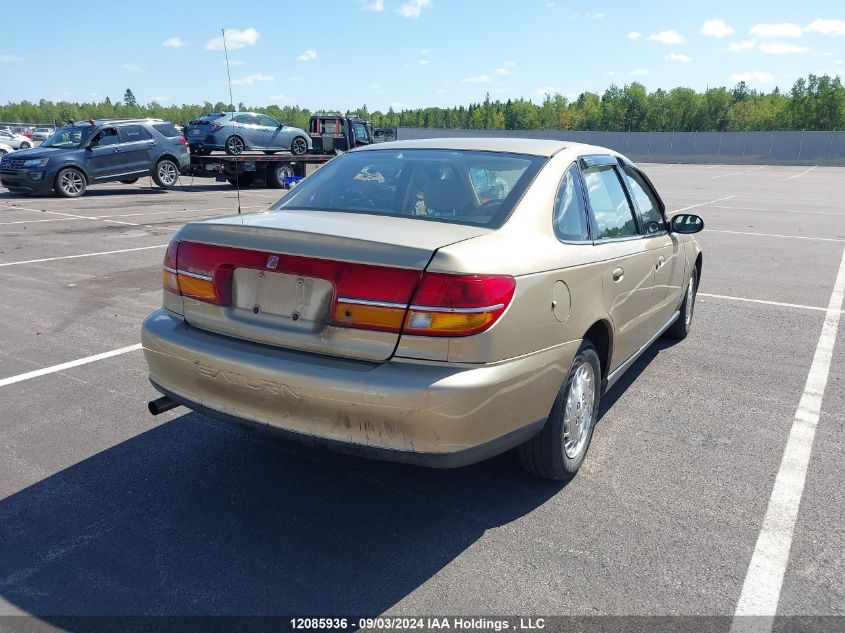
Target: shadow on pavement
pixel 195 517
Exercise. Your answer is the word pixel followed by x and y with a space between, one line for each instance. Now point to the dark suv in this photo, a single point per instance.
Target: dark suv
pixel 89 152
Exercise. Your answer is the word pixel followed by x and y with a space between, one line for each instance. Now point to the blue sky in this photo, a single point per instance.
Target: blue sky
pixel 412 53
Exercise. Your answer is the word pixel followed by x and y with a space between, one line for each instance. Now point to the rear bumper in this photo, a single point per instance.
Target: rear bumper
pixel 433 414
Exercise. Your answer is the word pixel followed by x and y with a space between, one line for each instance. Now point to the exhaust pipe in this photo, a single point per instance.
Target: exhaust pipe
pixel 160 405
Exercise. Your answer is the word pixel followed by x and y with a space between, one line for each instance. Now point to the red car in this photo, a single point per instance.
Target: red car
pixel 25 130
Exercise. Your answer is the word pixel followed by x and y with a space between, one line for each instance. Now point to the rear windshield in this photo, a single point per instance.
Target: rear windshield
pixel 166 129
pixel 207 119
pixel 463 187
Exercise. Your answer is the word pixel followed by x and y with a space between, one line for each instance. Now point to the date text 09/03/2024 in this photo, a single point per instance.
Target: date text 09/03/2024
pixel 421 623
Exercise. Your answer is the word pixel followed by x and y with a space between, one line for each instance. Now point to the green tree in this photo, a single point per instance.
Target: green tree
pixel 129 98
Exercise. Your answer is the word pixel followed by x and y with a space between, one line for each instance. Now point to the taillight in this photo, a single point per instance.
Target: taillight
pixel 458 305
pixel 182 140
pixel 215 127
pixel 365 297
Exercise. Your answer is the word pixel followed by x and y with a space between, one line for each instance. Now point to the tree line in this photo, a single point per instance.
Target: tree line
pixel 816 102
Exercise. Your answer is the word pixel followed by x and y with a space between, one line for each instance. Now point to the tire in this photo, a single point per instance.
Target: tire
pixel 298 146
pixel 129 181
pixel 234 145
pixel 683 324
pixel 244 180
pixel 166 173
pixel 552 454
pixel 2 152
pixel 70 183
pixel 25 145
pixel 276 175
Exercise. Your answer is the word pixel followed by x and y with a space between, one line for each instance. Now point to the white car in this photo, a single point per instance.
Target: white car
pixel 5 149
pixel 16 141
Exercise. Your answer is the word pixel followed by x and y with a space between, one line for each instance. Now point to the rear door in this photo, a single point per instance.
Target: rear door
pixel 627 261
pixel 668 253
pixel 247 127
pixel 137 146
pixel 273 134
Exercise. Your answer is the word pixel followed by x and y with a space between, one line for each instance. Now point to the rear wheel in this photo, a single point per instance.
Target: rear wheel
pixel 298 146
pixel 276 176
pixel 25 145
pixel 235 145
pixel 559 449
pixel 682 325
pixel 244 180
pixel 166 173
pixel 129 181
pixel 70 183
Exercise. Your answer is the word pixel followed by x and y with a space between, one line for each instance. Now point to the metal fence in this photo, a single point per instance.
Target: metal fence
pixel 752 148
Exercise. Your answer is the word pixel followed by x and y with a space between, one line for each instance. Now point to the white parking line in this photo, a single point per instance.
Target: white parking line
pixel 718 206
pixel 739 173
pixel 792 237
pixel 802 173
pixel 780 304
pixel 74 363
pixel 104 218
pixel 701 204
pixel 50 259
pixel 761 590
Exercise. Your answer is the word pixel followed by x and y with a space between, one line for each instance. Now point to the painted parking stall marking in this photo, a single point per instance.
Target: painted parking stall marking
pixel 68 365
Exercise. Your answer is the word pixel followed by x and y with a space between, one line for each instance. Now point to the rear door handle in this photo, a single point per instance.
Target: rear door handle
pixel 660 261
pixel 618 273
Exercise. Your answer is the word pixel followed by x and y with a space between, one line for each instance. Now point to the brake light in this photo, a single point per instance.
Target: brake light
pixel 183 140
pixel 169 272
pixel 215 127
pixel 458 305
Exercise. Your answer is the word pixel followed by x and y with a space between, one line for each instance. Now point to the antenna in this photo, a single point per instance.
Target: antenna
pixel 232 106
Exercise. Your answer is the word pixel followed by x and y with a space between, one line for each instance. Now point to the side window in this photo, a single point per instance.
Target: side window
pixel 570 216
pixel 107 136
pixel 608 203
pixel 267 121
pixel 132 133
pixel 361 133
pixel 651 217
pixel 245 119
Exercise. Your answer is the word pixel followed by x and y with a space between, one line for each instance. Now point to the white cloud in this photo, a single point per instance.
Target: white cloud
pixel 781 48
pixel 826 27
pixel 784 29
pixel 678 57
pixel 610 73
pixel 158 99
pixel 547 90
pixel 234 62
pixel 424 51
pixel 503 71
pixel 478 79
pixel 234 39
pixel 373 5
pixel 753 77
pixel 10 59
pixel 716 28
pixel 639 71
pixel 133 68
pixel 307 56
pixel 839 61
pixel 738 47
pixel 667 37
pixel 251 79
pixel 509 64
pixel 633 35
pixel 424 62
pixel 399 105
pixel 440 91
pixel 413 8
pixel 174 42
pixel 281 98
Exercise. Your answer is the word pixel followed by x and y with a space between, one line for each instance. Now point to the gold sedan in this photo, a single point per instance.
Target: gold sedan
pixel 435 302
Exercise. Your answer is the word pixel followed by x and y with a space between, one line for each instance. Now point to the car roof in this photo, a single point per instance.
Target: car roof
pixel 513 145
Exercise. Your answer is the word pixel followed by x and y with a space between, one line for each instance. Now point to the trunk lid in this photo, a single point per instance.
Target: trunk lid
pixel 287 269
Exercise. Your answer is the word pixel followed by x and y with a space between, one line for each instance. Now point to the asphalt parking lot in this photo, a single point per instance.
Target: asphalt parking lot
pixel 106 510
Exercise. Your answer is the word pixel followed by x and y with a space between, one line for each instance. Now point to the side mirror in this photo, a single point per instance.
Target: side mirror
pixel 686 223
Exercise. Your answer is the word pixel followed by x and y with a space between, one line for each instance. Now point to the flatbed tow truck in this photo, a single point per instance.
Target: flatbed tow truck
pixel 280 171
pixel 331 133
